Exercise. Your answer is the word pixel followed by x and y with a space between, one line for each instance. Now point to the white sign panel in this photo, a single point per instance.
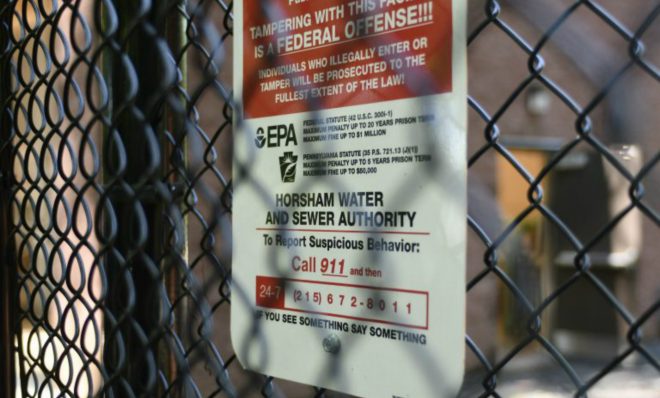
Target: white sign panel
pixel 349 211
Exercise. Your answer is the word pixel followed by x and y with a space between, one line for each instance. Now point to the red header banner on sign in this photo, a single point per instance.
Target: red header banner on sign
pixel 325 54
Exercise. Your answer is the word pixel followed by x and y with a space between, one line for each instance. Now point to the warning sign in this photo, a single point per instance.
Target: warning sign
pixel 350 199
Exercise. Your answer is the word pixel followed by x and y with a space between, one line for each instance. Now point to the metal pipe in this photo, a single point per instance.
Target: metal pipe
pixel 175 123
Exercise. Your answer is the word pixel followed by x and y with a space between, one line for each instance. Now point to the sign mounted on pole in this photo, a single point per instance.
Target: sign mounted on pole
pixel 349 211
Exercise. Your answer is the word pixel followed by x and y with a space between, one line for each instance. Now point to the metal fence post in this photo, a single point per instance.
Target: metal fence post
pixel 176 162
pixel 130 270
pixel 147 310
pixel 8 278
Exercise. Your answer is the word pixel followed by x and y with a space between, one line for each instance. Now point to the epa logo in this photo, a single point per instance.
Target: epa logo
pixel 260 141
pixel 276 136
pixel 288 167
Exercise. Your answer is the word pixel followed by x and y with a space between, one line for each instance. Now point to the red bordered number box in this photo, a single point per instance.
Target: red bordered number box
pixel 392 306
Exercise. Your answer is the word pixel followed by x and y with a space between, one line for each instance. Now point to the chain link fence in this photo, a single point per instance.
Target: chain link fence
pixel 115 224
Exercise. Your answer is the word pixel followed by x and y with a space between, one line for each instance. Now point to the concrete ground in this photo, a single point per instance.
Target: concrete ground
pixel 539 376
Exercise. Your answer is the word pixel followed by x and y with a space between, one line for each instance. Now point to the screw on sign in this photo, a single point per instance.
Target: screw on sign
pixel 350 106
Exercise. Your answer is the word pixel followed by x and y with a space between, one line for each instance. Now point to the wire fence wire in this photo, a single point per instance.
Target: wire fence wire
pixel 115 160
